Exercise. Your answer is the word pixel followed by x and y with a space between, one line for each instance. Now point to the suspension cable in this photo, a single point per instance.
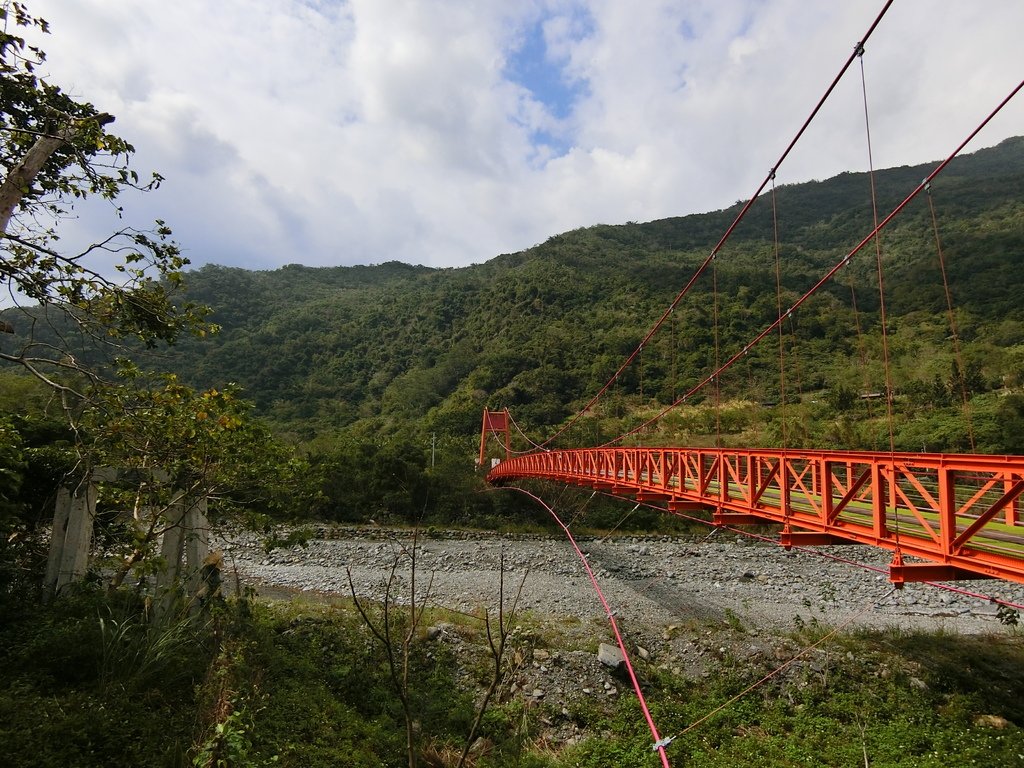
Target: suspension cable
pixel 533 446
pixel 731 228
pixel 778 307
pixel 832 272
pixel 862 350
pixel 886 364
pixel 718 356
pixel 672 329
pixel 958 353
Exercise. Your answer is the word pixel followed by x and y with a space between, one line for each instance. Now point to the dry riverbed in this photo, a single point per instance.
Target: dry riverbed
pixel 650 582
pixel 684 604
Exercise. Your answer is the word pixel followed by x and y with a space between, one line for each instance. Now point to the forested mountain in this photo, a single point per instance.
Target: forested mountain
pixel 402 348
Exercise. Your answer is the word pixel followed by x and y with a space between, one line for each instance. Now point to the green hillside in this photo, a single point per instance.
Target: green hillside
pixel 394 348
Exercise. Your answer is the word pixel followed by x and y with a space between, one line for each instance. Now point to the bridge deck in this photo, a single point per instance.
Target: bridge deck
pixel 958 514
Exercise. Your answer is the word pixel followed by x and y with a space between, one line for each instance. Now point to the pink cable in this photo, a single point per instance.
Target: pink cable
pixel 659 742
pixel 875 569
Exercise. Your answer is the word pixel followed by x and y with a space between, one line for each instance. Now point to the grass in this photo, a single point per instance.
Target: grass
pixel 302 684
pixel 76 691
pixel 900 699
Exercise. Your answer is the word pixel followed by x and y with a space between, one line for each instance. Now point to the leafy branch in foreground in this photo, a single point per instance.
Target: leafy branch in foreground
pixel 68 309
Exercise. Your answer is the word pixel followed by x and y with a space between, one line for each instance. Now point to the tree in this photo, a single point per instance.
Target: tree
pixel 184 444
pixel 54 152
pixel 78 316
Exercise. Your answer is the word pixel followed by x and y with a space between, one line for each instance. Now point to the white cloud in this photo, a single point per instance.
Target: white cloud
pixel 327 132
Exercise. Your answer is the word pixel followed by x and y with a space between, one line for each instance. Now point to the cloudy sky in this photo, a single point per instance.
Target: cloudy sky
pixel 446 132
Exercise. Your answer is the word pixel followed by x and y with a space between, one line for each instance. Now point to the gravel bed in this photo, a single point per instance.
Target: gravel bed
pixel 648 581
pixel 684 605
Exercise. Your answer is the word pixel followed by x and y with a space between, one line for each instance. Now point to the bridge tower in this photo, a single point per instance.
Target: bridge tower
pixel 495 423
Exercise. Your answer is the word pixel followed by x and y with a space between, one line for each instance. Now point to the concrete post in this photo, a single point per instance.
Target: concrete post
pixel 167 578
pixel 74 559
pixel 58 535
pixel 197 543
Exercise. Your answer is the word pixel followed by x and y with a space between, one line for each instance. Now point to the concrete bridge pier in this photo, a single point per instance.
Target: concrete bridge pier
pixel 71 537
pixel 185 547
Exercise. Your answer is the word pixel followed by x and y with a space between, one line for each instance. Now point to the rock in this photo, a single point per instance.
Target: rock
pixel 433 633
pixel 539 654
pixel 610 656
pixel 643 653
pixel 992 721
pixel 918 683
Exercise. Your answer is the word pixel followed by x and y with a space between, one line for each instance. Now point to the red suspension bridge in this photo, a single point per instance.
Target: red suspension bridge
pixel 958 515
pixel 950 516
pixel 943 516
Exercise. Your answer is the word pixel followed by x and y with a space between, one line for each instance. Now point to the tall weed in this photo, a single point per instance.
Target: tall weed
pixel 135 652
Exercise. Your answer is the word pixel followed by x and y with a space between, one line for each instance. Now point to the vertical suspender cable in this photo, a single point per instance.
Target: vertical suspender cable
pixel 641 365
pixel 718 361
pixel 674 351
pixel 778 309
pixel 783 461
pixel 958 353
pixel 890 418
pixel 877 237
pixel 862 350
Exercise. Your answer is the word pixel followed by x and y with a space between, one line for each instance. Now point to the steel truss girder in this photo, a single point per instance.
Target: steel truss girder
pixel 959 514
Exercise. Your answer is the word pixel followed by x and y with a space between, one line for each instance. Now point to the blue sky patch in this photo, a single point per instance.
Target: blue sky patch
pixel 530 66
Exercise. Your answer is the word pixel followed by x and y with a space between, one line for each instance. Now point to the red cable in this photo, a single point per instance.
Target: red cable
pixel 952 321
pixel 535 446
pixel 778 308
pixel 826 555
pixel 882 315
pixel 876 569
pixel 828 275
pixel 858 49
pixel 718 357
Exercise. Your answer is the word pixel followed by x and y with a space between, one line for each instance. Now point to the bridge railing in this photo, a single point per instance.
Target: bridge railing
pixel 960 514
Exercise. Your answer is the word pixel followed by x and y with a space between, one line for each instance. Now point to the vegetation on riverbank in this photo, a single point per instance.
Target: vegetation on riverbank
pixel 90 683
